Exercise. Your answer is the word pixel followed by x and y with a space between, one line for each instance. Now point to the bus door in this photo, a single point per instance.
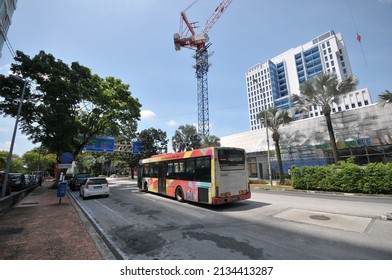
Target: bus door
pixel 139 176
pixel 162 172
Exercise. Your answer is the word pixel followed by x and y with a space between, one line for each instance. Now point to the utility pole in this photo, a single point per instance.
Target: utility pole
pixel 9 159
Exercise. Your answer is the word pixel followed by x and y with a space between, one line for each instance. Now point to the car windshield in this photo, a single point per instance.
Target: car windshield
pixel 98 181
pixel 82 176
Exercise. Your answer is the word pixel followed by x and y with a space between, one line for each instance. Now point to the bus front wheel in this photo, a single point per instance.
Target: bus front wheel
pixel 179 194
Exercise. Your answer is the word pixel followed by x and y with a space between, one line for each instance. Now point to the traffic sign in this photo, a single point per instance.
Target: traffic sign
pixel 100 144
pixel 137 147
pixel 63 165
pixel 66 158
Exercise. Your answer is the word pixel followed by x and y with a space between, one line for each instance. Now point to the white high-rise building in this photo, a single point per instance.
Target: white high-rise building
pixel 7 8
pixel 271 83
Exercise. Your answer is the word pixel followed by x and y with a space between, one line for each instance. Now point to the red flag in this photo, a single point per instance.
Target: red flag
pixel 359 38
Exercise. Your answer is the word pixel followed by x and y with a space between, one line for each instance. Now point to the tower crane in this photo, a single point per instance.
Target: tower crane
pixel 187 37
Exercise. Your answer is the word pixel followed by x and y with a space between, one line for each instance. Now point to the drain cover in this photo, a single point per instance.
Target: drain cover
pixel 7 231
pixel 29 203
pixel 320 217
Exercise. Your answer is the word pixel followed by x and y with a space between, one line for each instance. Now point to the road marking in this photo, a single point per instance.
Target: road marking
pixel 112 211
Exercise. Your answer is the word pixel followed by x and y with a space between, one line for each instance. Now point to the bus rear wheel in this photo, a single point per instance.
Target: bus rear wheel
pixel 179 194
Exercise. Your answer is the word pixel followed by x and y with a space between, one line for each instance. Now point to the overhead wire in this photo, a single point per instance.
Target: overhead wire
pixel 193 3
pixel 359 37
pixel 8 44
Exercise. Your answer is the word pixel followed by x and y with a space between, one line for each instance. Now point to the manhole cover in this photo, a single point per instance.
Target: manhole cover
pixel 320 217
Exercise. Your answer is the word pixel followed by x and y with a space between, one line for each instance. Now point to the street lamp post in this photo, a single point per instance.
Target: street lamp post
pixel 9 159
pixel 268 146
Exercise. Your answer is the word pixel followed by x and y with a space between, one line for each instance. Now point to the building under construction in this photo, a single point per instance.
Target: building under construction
pixel 364 133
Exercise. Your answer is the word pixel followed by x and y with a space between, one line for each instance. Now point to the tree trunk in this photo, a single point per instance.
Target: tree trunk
pixel 332 140
pixel 276 138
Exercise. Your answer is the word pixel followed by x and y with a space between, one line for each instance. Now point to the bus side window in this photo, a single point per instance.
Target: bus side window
pixel 155 170
pixel 203 169
pixel 146 170
pixel 190 169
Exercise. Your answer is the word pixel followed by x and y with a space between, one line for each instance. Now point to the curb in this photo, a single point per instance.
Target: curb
pixel 104 246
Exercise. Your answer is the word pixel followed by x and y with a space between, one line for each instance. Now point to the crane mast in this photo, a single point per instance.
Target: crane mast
pixel 187 37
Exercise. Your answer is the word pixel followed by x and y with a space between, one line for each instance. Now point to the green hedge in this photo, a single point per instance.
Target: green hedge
pixel 344 177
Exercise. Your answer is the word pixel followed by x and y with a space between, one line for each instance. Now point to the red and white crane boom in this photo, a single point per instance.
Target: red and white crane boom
pixel 197 40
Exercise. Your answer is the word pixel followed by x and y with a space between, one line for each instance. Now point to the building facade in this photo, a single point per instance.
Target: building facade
pixel 7 8
pixel 364 132
pixel 271 83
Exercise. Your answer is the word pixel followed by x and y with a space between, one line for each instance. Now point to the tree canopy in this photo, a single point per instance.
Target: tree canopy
pixel 65 106
pixel 186 138
pixel 385 98
pixel 324 90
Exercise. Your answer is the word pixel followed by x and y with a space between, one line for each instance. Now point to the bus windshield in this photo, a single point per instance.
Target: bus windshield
pixel 231 157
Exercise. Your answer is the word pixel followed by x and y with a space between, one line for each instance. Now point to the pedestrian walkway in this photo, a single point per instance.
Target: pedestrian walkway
pixel 40 228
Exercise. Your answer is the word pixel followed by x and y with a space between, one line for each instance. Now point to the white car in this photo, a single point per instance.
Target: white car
pixel 94 186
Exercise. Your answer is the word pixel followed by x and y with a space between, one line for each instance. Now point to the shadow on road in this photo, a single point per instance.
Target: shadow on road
pixel 233 207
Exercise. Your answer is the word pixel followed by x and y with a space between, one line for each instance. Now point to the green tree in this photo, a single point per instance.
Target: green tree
pixel 324 90
pixel 186 138
pixel 3 159
pixel 17 163
pixel 66 106
pixel 38 159
pixel 210 141
pixel 154 142
pixel 274 119
pixel 385 98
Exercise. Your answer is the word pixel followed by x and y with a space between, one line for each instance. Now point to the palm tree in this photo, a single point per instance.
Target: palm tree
pixel 186 138
pixel 210 141
pixel 385 98
pixel 324 90
pixel 274 118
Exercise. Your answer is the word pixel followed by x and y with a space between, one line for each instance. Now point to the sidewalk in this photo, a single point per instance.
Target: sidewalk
pixel 39 228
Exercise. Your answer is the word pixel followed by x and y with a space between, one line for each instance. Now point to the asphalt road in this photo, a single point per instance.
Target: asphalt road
pixel 271 225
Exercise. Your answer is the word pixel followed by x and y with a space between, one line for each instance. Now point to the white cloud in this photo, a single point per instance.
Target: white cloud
pixel 172 123
pixel 147 114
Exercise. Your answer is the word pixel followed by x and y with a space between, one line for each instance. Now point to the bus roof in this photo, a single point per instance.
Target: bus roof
pixel 181 155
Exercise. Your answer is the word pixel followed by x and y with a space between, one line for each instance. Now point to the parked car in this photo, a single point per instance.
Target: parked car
pixel 30 180
pixel 9 183
pixel 78 179
pixel 18 181
pixel 68 177
pixel 94 186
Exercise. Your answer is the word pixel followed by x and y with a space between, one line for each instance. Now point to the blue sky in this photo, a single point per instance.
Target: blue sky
pixel 133 40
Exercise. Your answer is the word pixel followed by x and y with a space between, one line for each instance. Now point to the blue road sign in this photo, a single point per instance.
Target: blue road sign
pixel 100 144
pixel 66 158
pixel 136 147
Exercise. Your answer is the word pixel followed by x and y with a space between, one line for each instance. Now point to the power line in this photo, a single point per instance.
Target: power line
pixel 8 43
pixel 356 30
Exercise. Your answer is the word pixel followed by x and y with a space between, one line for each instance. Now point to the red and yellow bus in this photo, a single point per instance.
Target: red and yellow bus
pixel 214 175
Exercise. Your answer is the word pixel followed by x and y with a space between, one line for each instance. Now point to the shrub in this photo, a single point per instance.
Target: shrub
pixel 344 177
pixel 377 178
